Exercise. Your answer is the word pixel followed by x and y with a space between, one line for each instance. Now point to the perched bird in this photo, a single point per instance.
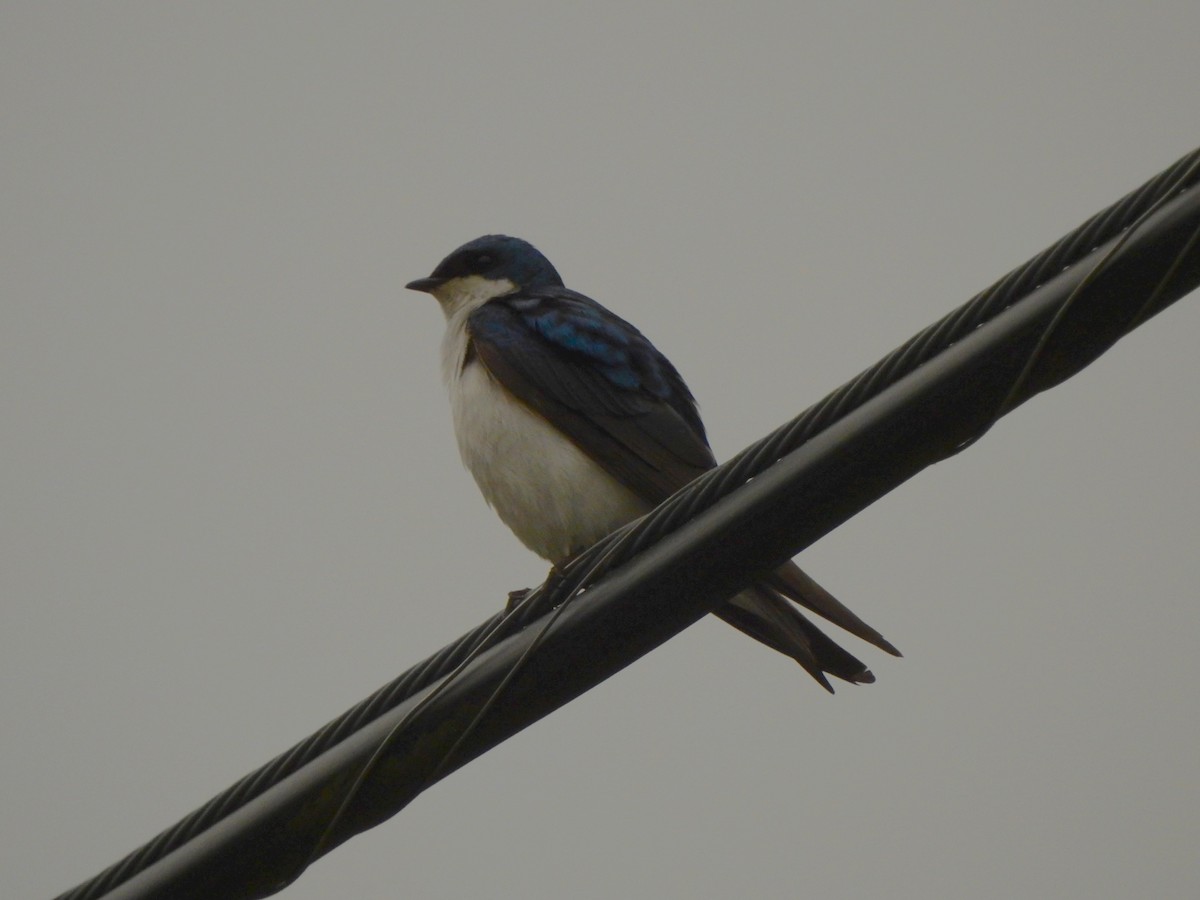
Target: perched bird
pixel 573 424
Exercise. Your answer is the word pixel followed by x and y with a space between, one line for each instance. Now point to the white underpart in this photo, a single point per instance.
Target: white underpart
pixel 555 499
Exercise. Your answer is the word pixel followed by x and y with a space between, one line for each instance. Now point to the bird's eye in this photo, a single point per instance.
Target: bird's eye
pixel 484 261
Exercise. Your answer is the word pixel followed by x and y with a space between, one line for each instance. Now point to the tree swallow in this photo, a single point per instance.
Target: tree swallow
pixel 573 424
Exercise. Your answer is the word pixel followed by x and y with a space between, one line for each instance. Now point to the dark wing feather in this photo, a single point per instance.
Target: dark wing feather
pixel 794 583
pixel 606 388
pixel 767 617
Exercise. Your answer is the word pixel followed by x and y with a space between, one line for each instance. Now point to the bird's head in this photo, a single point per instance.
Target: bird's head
pixel 487 267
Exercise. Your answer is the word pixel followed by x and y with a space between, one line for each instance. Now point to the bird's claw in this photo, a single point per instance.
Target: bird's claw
pixel 515 598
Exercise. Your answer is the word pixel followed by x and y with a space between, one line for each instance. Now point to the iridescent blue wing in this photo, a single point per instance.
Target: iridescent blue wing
pixel 599 381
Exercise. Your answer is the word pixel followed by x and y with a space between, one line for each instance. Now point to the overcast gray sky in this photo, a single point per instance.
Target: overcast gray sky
pixel 232 505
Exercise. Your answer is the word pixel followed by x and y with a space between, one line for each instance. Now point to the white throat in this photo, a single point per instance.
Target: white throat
pixel 459 297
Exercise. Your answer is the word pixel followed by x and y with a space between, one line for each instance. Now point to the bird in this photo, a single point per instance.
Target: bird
pixel 572 424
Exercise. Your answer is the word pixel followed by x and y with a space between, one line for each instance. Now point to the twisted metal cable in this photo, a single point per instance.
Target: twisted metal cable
pixel 700 494
pixel 710 487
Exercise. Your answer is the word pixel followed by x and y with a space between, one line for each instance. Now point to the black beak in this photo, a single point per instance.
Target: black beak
pixel 426 285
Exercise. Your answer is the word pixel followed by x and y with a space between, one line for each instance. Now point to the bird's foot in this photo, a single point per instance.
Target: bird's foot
pixel 515 598
pixel 554 579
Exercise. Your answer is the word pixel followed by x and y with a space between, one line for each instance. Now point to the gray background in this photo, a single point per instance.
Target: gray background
pixel 232 504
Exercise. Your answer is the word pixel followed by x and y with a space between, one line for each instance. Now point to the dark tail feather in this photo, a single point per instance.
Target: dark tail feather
pixel 767 617
pixel 794 584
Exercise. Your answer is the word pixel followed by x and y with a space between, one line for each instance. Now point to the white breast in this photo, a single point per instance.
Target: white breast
pixel 549 492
